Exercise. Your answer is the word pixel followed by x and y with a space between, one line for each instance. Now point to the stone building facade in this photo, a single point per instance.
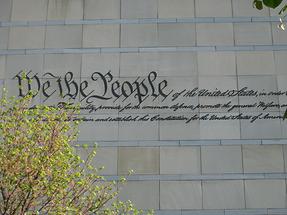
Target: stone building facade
pixel 189 94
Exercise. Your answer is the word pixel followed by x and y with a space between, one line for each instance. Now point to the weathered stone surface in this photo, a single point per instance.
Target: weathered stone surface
pixel 223 194
pixel 145 194
pixel 29 10
pixel 5 10
pixel 26 37
pixel 214 34
pixel 262 158
pixel 95 36
pixel 176 34
pixel 175 9
pixel 252 34
pixel 180 160
pixel 265 193
pixel 68 36
pixel 213 8
pixel 221 159
pixel 255 63
pixel 139 35
pixel 142 160
pixel 131 9
pixel 65 9
pixel 180 195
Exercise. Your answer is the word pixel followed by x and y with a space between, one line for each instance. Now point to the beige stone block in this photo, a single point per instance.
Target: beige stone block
pixel 29 10
pixel 138 64
pixel 26 37
pixel 102 9
pixel 5 10
pixel 132 9
pixel 214 34
pixel 68 36
pixel 221 159
pixel 182 195
pixel 213 8
pixel 176 34
pixel 280 62
pixel 2 66
pixel 223 195
pixel 281 83
pixel 285 156
pixel 252 34
pixel 255 63
pixel 180 160
pixel 142 160
pixel 143 194
pixel 216 63
pixel 177 64
pixel 101 36
pixel 139 35
pixel 17 63
pixel 262 158
pixel 65 9
pixel 175 9
pixel 60 64
pixel 102 63
pixel 265 193
pixel 283 126
pixel 107 157
pixel 4 38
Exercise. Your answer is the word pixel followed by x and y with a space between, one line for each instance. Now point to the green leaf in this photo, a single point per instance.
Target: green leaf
pixel 258 4
pixel 272 3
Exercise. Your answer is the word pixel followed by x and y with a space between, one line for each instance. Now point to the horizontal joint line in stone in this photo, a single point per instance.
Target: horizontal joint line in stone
pixel 209 177
pixel 159 143
pixel 139 21
pixel 143 49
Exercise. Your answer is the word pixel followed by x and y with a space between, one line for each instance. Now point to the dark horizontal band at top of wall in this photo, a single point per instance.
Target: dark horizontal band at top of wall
pixel 282 47
pixel 139 21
